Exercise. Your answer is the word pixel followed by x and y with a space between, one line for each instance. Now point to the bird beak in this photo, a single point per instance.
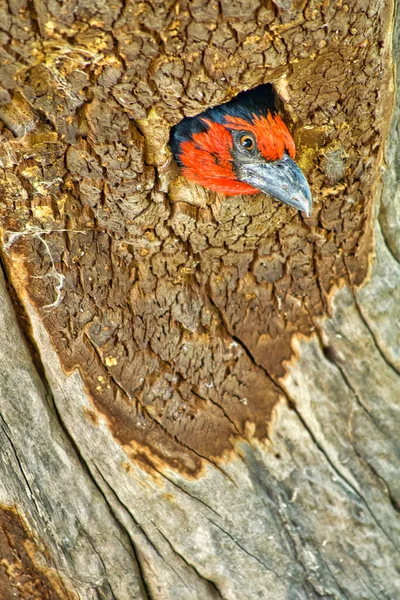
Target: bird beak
pixel 282 179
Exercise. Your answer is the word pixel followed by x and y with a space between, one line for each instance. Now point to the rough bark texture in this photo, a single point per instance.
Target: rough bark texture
pixel 198 393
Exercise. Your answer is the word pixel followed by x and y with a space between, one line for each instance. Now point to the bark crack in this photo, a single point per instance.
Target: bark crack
pixel 205 458
pixel 140 528
pixel 180 488
pixel 148 593
pixel 283 526
pixel 91 542
pixel 240 342
pixel 15 453
pixel 86 468
pixel 5 428
pixel 190 565
pixel 224 413
pixel 335 580
pixel 393 501
pixel 342 476
pixel 375 341
pixel 386 242
pixel 349 385
pixel 239 545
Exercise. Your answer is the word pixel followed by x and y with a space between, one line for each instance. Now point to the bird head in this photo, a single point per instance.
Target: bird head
pixel 242 147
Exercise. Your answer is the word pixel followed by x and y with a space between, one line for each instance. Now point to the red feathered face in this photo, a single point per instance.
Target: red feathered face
pixel 239 148
pixel 209 158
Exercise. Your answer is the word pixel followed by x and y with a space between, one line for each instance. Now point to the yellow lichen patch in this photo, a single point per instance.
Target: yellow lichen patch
pixel 251 39
pixel 111 361
pixel 61 200
pixel 92 416
pixel 45 137
pixel 127 467
pixel 156 131
pixel 169 497
pixel 312 136
pixel 182 190
pixel 49 27
pixel 307 159
pixel 43 213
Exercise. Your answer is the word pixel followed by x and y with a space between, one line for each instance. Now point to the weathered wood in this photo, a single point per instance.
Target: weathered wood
pixel 199 396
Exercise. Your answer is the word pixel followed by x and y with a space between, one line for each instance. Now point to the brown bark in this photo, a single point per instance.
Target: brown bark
pixel 204 402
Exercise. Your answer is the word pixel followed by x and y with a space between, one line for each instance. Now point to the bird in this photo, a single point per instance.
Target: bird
pixel 242 147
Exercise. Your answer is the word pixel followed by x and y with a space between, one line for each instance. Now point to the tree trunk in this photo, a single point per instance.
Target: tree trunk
pixel 198 393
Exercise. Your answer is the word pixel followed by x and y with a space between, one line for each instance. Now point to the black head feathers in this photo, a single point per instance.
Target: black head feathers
pixel 259 101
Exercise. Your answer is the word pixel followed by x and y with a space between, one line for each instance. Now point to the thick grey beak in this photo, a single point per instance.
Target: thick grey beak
pixel 281 179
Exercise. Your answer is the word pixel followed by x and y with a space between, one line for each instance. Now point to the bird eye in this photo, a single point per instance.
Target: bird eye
pixel 247 142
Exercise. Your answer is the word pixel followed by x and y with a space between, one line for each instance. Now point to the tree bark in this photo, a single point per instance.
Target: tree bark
pixel 199 395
